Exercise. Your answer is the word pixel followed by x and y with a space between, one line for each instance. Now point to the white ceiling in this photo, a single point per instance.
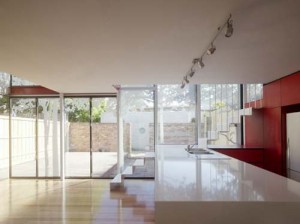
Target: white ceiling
pixel 76 46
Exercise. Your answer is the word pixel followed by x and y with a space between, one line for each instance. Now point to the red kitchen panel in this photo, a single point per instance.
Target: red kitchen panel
pixel 272 95
pixel 272 140
pixel 254 131
pixel 290 89
pixel 254 156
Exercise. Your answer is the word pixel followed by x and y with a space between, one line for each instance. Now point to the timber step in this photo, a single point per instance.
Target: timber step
pixel 117 182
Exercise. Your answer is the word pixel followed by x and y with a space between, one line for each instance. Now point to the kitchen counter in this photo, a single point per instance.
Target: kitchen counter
pixel 216 188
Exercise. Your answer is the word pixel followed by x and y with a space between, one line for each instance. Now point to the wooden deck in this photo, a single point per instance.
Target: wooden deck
pixel 75 201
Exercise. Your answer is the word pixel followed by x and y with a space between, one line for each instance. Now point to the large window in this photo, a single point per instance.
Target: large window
pixel 219 113
pixel 177 114
pixel 207 113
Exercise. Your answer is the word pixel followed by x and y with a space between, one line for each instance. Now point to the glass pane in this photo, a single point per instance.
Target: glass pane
pixel 176 114
pixel 16 81
pixel 4 83
pixel 23 137
pixel 253 92
pixel 48 137
pixel 77 137
pixel 104 137
pixel 137 117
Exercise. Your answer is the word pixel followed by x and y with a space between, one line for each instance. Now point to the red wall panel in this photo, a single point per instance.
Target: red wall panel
pixel 273 140
pixel 31 90
pixel 272 95
pixel 290 89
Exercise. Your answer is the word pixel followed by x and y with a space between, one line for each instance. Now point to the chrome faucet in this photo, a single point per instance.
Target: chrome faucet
pixel 190 147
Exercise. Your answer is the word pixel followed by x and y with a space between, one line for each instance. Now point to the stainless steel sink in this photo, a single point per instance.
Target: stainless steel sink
pixel 198 151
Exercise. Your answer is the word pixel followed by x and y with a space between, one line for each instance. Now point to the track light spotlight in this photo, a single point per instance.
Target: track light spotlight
pixel 200 63
pixel 211 50
pixel 191 73
pixel 186 79
pixel 182 85
pixel 229 28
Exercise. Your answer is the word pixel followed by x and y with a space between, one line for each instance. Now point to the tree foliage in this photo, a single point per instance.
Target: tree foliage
pixel 79 110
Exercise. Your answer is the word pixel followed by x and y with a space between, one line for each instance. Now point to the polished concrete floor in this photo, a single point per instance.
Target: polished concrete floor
pixel 75 201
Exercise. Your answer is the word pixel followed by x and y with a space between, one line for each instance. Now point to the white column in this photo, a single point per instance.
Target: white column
pixel 62 136
pixel 120 133
pixel 156 119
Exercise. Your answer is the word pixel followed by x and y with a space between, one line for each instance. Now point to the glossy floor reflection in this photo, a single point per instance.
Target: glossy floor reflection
pixel 75 201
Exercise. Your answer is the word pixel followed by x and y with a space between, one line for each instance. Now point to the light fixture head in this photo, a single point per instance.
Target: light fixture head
pixel 182 85
pixel 191 73
pixel 229 28
pixel 185 78
pixel 200 63
pixel 211 50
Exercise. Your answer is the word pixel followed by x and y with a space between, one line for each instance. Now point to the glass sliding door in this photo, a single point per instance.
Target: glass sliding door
pixel 48 137
pixel 104 137
pixel 77 139
pixel 23 137
pixel 137 125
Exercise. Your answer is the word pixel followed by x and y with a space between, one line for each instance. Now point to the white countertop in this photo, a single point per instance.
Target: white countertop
pixel 180 176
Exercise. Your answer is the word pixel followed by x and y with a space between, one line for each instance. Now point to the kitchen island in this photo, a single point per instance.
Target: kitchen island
pixel 215 188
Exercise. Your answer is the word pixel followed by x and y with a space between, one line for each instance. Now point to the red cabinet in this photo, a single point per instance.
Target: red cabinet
pixel 272 95
pixel 253 156
pixel 290 90
pixel 276 97
pixel 254 131
pixel 272 140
